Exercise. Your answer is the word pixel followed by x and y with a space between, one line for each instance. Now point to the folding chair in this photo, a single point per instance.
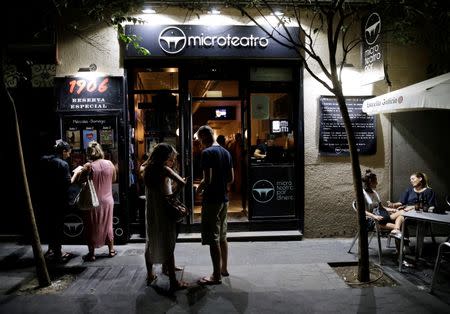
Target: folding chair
pixel 437 264
pixel 378 231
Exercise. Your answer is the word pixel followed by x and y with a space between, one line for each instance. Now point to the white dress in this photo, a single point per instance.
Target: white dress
pixel 161 231
pixel 372 200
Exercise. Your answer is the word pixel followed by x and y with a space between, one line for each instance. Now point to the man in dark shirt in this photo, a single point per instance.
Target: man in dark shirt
pixel 54 201
pixel 218 174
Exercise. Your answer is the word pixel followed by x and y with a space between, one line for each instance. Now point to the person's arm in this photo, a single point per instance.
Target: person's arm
pixel 259 154
pixel 114 176
pixel 179 181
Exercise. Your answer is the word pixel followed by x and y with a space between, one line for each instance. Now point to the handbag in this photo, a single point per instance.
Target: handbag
pixel 380 211
pixel 87 198
pixel 175 208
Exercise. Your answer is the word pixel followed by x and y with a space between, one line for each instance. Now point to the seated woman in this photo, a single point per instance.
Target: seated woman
pixel 387 217
pixel 419 191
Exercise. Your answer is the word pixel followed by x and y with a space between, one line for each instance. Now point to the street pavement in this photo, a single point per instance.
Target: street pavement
pixel 265 277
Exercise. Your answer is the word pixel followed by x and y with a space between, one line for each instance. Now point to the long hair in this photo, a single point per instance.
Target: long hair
pixel 367 179
pixel 423 176
pixel 153 173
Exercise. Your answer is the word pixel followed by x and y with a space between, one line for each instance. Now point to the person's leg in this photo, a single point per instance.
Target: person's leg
pixel 224 258
pixel 174 283
pixel 149 265
pixel 223 240
pixel 210 236
pixel 215 252
pixel 112 251
pixel 56 225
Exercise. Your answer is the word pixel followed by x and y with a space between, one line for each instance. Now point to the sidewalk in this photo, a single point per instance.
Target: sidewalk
pixel 265 277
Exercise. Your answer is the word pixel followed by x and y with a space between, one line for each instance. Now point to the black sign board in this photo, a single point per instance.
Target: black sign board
pixel 272 190
pixel 89 94
pixel 333 138
pixel 210 40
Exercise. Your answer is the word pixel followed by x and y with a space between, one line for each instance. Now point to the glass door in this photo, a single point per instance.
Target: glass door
pixel 217 103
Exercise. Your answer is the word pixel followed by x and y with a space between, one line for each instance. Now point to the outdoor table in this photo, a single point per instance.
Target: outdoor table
pixel 420 217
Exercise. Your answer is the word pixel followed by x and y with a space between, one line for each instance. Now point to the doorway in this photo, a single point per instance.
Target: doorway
pixel 218 103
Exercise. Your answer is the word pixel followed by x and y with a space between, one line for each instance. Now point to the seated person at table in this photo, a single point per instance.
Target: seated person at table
pixel 419 191
pixel 388 218
pixel 262 149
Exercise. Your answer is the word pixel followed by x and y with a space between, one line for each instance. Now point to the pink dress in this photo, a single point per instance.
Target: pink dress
pixel 98 222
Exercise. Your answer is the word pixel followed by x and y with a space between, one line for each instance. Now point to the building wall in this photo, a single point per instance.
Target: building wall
pixel 328 180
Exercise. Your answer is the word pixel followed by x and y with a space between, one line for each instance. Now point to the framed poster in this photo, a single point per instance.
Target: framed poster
pixel 332 135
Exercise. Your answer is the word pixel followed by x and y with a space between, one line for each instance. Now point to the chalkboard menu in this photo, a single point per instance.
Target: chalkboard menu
pixel 333 138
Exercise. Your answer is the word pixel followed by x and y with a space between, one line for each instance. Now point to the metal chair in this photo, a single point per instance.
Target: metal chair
pixel 378 231
pixel 438 264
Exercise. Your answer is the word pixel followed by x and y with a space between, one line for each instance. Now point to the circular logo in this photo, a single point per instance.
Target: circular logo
pixel 172 40
pixel 372 29
pixel 263 191
pixel 73 225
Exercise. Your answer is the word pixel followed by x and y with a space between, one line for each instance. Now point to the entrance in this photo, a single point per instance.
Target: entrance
pixel 217 103
pixel 255 113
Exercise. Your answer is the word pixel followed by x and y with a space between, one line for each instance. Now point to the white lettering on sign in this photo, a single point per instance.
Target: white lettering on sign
pixel 285 190
pixel 371 55
pixel 227 41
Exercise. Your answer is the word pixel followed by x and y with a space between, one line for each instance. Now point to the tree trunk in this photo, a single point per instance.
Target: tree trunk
pixel 363 262
pixel 41 266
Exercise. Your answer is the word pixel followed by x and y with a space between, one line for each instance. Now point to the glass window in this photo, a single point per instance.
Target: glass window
pixel 272 139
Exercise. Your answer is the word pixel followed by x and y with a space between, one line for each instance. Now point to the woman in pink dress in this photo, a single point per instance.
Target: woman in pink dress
pixel 98 221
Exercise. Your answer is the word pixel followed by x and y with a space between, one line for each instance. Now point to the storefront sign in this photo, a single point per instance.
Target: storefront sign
pixel 372 50
pixel 205 40
pixel 82 94
pixel 272 190
pixel 333 137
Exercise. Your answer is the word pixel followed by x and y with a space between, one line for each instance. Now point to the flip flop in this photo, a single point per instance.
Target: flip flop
pixel 225 274
pixel 208 281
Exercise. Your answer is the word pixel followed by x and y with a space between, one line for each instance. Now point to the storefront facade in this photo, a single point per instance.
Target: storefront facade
pixel 235 81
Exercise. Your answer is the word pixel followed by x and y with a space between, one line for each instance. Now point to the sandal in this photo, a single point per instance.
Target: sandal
pixel 112 253
pixel 151 279
pixel 89 257
pixel 209 281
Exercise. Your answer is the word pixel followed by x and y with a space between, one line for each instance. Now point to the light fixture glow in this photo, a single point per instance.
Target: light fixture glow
pixel 214 12
pixel 148 11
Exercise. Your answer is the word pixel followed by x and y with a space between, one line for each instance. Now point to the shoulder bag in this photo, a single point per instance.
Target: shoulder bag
pixel 87 198
pixel 176 210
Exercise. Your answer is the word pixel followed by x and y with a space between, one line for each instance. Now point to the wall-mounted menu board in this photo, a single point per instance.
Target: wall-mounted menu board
pixel 333 137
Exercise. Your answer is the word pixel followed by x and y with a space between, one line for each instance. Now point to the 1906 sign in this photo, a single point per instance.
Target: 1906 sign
pixel 85 94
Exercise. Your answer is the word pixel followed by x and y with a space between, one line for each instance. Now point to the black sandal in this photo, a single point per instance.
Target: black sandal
pixel 89 257
pixel 112 253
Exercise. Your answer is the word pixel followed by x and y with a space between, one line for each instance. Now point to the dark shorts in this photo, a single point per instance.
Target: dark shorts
pixel 214 223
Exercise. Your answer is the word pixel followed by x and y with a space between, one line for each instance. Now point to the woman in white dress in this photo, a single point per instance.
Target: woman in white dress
pixel 388 218
pixel 161 232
